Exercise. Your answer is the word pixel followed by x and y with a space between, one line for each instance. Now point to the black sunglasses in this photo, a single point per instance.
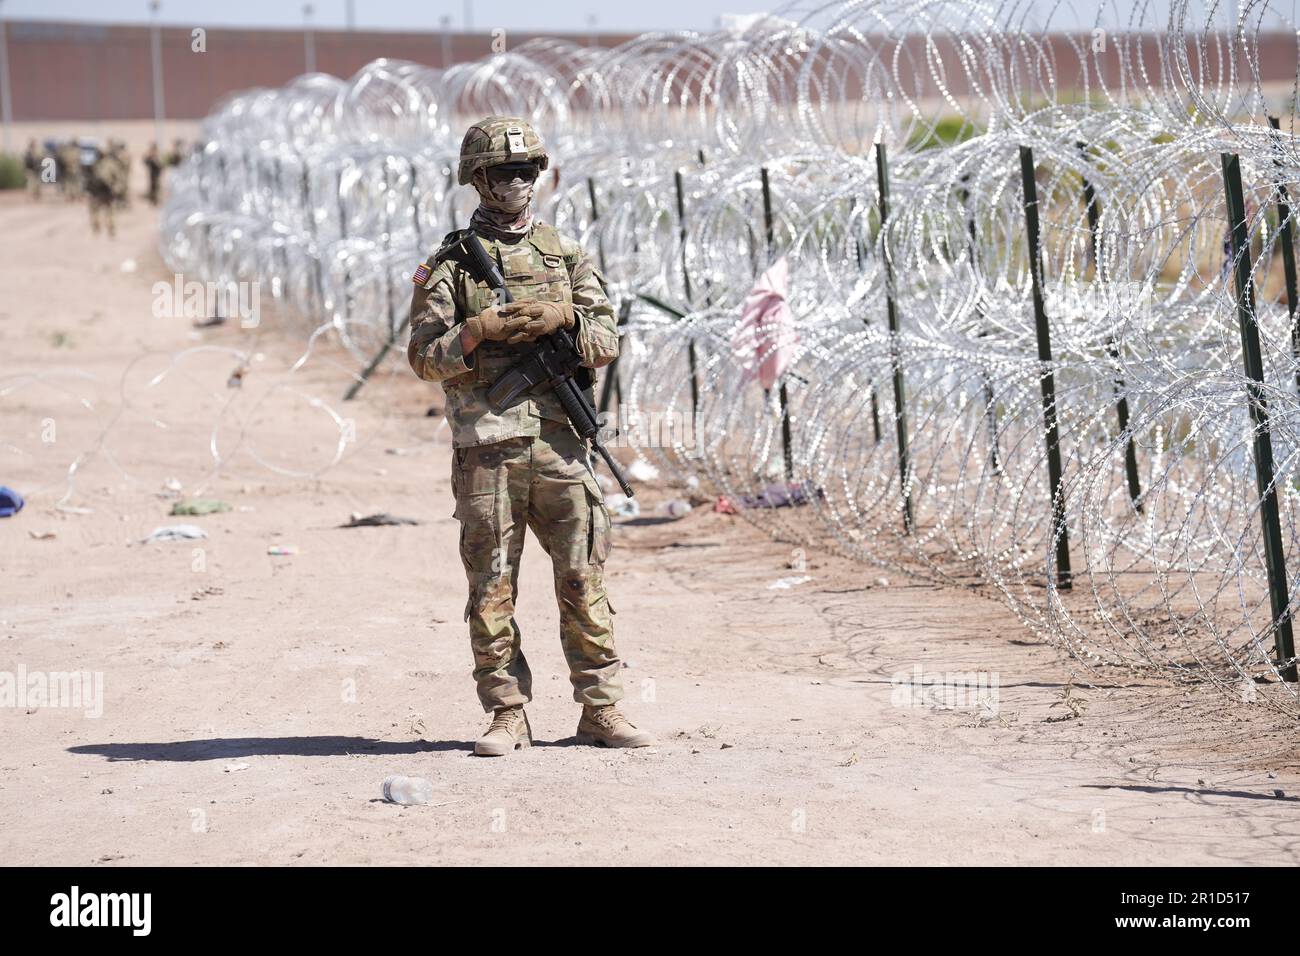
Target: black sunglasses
pixel 508 171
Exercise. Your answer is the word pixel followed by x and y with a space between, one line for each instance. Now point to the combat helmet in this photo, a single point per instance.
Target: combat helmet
pixel 494 140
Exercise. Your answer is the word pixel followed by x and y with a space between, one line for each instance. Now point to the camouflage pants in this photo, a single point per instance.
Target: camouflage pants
pixel 502 489
pixel 98 205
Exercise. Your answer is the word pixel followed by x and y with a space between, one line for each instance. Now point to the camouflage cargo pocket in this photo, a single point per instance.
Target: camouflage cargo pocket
pixel 480 531
pixel 599 526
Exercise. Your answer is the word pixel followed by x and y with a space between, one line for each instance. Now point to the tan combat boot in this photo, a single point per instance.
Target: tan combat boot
pixel 510 730
pixel 606 726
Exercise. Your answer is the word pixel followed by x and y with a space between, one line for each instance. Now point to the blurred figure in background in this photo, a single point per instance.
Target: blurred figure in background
pixel 154 166
pixel 121 187
pixel 33 159
pixel 106 183
pixel 68 170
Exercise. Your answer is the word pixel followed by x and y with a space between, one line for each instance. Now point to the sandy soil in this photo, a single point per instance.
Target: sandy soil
pixel 252 704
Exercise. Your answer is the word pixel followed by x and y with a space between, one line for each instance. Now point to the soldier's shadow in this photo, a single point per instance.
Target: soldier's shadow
pixel 227 748
pixel 562 742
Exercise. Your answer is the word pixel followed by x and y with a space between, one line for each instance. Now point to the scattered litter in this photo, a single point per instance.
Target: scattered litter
pixel 128 265
pixel 358 520
pixel 209 591
pixel 778 496
pixel 199 506
pixel 408 791
pixel 692 483
pixel 773 496
pixel 42 535
pixel 621 506
pixel 11 502
pixel 642 470
pixel 172 486
pixel 175 532
pixel 236 379
pixel 677 508
pixel 282 550
pixel 784 583
pixel 234 767
pixel 74 510
pixel 853 758
pixel 882 582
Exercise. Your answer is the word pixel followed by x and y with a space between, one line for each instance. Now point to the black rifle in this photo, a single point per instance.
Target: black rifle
pixel 551 363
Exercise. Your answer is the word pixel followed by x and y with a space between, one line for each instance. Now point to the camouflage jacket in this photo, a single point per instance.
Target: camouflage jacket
pixel 108 177
pixel 543 265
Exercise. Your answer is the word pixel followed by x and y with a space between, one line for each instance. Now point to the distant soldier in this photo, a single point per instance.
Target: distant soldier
pixel 68 170
pixel 177 155
pixel 122 185
pixel 154 166
pixel 32 161
pixel 105 183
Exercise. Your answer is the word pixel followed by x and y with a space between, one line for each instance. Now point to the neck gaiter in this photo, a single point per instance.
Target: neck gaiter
pixel 506 211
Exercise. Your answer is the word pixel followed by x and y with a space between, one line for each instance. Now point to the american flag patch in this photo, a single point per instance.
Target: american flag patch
pixel 422 273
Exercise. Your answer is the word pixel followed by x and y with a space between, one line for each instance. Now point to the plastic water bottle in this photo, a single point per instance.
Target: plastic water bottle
pixel 677 508
pixel 408 791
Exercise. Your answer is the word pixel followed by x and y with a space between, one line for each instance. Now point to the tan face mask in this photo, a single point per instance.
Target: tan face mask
pixel 504 195
pixel 504 208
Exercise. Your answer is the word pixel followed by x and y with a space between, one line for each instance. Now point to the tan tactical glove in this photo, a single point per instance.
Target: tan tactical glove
pixel 494 325
pixel 538 318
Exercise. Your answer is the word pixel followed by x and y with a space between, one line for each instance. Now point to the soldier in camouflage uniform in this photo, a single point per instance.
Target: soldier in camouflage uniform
pixel 525 467
pixel 106 185
pixel 32 162
pixel 68 158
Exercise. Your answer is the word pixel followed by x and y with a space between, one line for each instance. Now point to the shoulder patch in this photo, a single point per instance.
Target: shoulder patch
pixel 421 274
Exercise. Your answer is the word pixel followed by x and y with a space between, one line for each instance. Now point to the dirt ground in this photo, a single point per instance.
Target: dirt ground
pixel 253 704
